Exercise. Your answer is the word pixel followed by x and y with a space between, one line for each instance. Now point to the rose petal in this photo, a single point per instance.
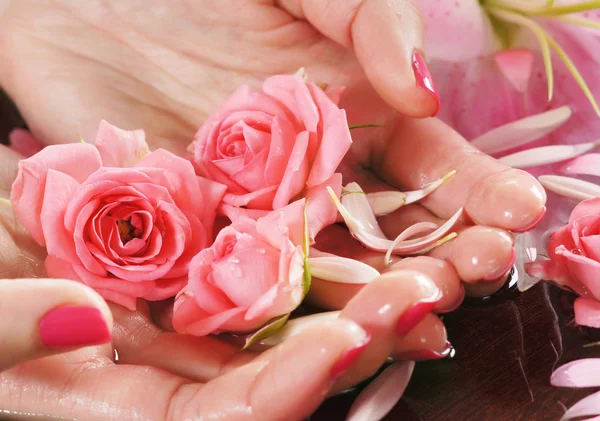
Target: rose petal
pixel 382 394
pixel 587 313
pixel 296 172
pixel 283 136
pixel 321 210
pixel 27 194
pixel 120 148
pixel 293 92
pixel 585 208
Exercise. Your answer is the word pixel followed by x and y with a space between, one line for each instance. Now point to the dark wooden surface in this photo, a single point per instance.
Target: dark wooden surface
pixel 506 348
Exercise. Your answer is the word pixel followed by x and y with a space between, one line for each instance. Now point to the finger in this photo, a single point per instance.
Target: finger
pixel 40 317
pixel 139 341
pixel 443 274
pixel 427 341
pixel 388 309
pixel 9 165
pixel 268 388
pixel 479 254
pixel 491 193
pixel 389 52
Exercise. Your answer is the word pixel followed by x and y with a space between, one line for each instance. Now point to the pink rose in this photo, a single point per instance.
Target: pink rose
pixel 274 146
pixel 252 273
pixel 120 219
pixel 574 252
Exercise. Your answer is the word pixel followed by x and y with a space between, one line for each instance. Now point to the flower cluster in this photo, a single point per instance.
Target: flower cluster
pixel 139 224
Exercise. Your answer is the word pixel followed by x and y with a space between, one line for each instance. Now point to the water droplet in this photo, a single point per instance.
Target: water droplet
pixel 261 251
pixel 577 252
pixel 234 260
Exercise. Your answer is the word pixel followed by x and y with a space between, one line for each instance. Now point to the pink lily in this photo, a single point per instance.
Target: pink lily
pixel 537 55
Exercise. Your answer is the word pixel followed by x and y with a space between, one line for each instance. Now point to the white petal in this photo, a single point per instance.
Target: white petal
pixel 570 187
pixel 386 202
pixel 522 131
pixel 547 155
pixel 382 394
pixel 342 270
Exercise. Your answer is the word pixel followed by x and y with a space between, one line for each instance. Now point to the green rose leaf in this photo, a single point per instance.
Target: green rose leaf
pixel 270 328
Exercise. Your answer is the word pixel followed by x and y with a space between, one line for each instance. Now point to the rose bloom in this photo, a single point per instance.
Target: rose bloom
pixel 274 146
pixel 116 217
pixel 252 273
pixel 574 252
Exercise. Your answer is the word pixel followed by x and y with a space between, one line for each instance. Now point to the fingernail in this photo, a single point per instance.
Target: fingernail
pixel 67 327
pixel 424 78
pixel 459 301
pixel 504 271
pixel 349 358
pixel 424 354
pixel 414 315
pixel 534 224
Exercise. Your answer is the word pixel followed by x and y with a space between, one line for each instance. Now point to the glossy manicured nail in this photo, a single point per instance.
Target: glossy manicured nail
pixel 534 224
pixel 349 358
pixel 504 271
pixel 414 315
pixel 424 78
pixel 424 354
pixel 459 301
pixel 68 327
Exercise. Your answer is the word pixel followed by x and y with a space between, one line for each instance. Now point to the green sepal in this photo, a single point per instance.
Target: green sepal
pixel 270 328
pixel 306 250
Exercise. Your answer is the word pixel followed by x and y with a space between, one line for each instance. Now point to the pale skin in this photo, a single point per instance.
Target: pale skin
pixel 164 66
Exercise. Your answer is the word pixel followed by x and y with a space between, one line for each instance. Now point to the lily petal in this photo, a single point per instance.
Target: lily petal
pixel 588 164
pixel 516 65
pixel 522 132
pixel 570 187
pixel 382 394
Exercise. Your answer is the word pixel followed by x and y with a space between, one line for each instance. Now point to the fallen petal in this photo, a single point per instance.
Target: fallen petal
pixel 588 164
pixel 546 155
pixel 589 406
pixel 522 132
pixel 382 394
pixel 342 270
pixel 416 195
pixel 386 202
pixel 297 325
pixel 587 313
pixel 580 373
pixel 570 187
pixel 418 228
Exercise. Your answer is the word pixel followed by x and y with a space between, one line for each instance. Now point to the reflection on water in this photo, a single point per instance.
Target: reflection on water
pixel 506 348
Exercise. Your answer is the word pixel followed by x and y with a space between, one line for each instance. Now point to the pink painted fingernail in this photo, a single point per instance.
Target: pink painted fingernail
pixel 414 315
pixel 424 78
pixel 349 358
pixel 67 327
pixel 504 271
pixel 424 354
pixel 534 224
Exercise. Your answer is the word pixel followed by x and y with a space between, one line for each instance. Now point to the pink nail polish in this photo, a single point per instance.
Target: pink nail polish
pixel 505 270
pixel 67 327
pixel 349 358
pixel 534 224
pixel 414 315
pixel 424 354
pixel 424 78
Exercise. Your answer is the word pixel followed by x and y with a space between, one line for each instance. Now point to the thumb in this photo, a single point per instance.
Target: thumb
pixel 387 38
pixel 40 317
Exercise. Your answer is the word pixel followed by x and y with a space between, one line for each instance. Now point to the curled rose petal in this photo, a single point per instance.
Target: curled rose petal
pixel 297 325
pixel 418 228
pixel 382 394
pixel 570 187
pixel 587 313
pixel 342 270
pixel 360 220
pixel 547 155
pixel 580 373
pixel 522 132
